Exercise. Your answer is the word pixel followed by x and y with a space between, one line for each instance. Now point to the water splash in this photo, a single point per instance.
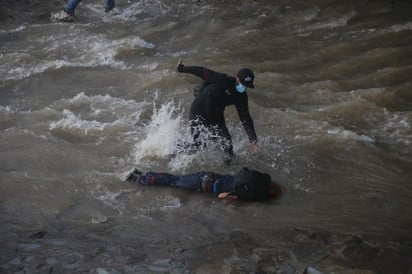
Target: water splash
pixel 161 133
pixel 134 10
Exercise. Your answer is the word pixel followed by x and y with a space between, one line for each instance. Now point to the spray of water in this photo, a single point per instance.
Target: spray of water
pixel 161 133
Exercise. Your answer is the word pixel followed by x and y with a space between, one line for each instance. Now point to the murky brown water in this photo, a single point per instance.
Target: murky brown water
pixel 83 103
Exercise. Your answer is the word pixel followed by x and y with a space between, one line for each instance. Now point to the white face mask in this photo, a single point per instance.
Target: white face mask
pixel 240 88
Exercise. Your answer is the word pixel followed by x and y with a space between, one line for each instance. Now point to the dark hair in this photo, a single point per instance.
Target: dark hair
pixel 252 185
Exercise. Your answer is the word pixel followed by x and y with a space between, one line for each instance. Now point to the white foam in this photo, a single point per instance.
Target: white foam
pixel 6 110
pixel 161 133
pixel 131 11
pixel 365 33
pixel 165 135
pixel 182 161
pixel 98 219
pixel 330 22
pixel 401 27
pixel 348 134
pixel 18 29
pixel 109 198
pixel 69 48
pixel 73 123
pixel 100 115
pixel 98 50
pixel 396 129
pixel 171 204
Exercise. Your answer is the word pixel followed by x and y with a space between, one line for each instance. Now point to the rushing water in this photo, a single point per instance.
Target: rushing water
pixel 83 103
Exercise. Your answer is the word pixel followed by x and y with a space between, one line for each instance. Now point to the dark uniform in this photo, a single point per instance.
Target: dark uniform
pixel 247 184
pixel 207 109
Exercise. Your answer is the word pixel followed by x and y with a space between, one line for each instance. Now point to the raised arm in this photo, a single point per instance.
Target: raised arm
pixel 207 75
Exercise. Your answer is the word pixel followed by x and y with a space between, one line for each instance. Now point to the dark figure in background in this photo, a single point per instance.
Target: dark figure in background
pixel 247 184
pixel 212 97
pixel 66 15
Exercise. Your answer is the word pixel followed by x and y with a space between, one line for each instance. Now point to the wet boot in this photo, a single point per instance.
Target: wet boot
pixel 62 16
pixel 134 176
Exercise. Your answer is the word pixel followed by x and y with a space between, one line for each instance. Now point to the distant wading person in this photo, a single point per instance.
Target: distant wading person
pixel 212 97
pixel 67 14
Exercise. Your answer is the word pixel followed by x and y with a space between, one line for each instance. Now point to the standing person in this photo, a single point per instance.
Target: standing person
pixel 211 98
pixel 66 15
pixel 247 184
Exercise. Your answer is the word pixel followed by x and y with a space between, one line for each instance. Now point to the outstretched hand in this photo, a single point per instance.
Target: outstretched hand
pixel 223 195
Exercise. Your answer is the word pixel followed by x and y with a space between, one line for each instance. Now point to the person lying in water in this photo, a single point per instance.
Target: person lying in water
pixel 247 184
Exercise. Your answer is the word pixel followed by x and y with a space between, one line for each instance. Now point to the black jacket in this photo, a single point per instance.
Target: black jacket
pixel 224 93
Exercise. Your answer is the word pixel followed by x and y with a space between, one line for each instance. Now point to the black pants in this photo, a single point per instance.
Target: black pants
pixel 207 119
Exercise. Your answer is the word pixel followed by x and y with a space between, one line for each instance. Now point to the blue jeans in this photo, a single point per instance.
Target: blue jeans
pixel 72 4
pixel 202 181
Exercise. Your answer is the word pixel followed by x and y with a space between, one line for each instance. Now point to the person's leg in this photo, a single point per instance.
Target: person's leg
pixel 198 120
pixel 193 182
pixel 158 179
pixel 223 139
pixel 109 5
pixel 71 6
pixel 197 130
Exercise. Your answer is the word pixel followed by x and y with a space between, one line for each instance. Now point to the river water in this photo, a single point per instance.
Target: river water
pixel 83 103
